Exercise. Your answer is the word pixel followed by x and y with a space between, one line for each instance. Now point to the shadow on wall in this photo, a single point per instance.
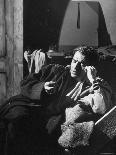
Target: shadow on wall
pixel 42 22
pixel 103 35
pixel 83 24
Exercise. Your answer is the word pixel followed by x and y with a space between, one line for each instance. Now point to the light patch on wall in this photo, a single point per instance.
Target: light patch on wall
pixel 77 0
pixel 79 25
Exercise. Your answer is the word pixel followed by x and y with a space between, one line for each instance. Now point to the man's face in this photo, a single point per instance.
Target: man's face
pixel 77 65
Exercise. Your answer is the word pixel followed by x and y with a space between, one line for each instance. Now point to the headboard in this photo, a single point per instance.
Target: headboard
pixel 107 66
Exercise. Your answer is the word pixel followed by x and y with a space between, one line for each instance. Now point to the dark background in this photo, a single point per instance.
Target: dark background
pixel 42 22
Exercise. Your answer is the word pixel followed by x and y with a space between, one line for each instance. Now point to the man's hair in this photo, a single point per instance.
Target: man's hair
pixel 90 53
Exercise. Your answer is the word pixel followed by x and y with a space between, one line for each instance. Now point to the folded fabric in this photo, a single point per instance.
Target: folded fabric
pixel 76 134
pixel 35 60
pixel 52 123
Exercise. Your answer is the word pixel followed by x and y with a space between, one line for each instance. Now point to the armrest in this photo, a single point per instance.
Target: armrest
pixel 104 132
pixel 107 123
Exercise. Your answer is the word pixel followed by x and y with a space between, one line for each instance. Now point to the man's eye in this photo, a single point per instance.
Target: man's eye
pixel 74 61
pixel 83 64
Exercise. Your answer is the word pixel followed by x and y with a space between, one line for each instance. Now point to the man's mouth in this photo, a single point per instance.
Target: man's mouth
pixel 76 72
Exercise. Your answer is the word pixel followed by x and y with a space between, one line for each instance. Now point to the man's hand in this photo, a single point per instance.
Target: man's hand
pixel 91 73
pixel 50 87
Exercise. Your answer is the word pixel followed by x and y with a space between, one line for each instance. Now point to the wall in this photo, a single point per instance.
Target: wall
pixel 97 24
pixel 80 25
pixel 109 11
pixel 43 21
pixel 11 47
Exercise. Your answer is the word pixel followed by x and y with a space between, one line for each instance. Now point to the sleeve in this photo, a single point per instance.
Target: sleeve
pixel 100 98
pixel 33 85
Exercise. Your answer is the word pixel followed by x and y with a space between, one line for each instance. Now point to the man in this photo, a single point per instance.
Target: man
pixel 34 117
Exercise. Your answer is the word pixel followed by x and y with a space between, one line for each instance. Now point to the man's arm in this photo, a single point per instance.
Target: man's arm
pixel 100 92
pixel 101 98
pixel 33 86
pixel 98 97
pixel 39 85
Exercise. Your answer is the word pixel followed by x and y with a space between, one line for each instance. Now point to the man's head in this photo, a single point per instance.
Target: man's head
pixel 83 56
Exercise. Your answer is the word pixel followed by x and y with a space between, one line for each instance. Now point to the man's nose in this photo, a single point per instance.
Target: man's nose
pixel 77 65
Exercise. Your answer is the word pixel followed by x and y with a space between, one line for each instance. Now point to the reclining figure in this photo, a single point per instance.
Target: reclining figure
pixel 57 107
